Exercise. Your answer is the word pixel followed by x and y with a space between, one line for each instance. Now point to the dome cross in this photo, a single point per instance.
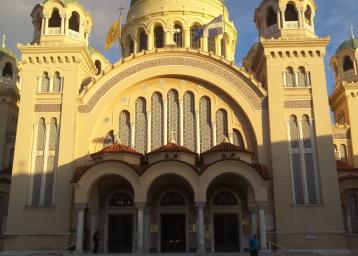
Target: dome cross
pixel 352 32
pixel 3 41
pixel 171 30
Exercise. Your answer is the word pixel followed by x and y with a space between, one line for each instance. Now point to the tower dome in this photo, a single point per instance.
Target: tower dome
pixel 163 23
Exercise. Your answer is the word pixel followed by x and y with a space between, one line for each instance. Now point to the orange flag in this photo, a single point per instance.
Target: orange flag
pixel 114 33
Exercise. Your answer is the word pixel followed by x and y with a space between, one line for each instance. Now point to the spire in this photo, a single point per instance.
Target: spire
pixel 3 45
pixel 352 32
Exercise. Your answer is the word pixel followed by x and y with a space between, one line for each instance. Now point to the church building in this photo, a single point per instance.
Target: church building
pixel 174 148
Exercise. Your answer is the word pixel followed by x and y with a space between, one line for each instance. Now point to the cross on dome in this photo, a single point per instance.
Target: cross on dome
pixel 171 30
pixel 3 45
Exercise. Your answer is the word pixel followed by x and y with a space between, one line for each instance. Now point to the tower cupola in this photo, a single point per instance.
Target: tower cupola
pixel 286 18
pixel 64 21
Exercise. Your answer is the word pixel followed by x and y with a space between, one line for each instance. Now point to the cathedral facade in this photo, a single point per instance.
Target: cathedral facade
pixel 175 148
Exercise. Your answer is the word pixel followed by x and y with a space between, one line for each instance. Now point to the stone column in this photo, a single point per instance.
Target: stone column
pixel 62 25
pixel 67 20
pixel 296 79
pixel 140 227
pixel 46 26
pixel 279 23
pixel 132 135
pixel 149 131
pixel 165 126
pixel 93 228
pixel 50 89
pixel 197 120
pixel 201 227
pixel 214 134
pixel 262 219
pixel 308 80
pixel 283 19
pixel 253 215
pixel 301 18
pixel 284 79
pixel 43 26
pixel 181 122
pixel 205 44
pixel 150 39
pixel 80 226
pixel 186 37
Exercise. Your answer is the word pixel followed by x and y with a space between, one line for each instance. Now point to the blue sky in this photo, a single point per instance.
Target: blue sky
pixel 333 18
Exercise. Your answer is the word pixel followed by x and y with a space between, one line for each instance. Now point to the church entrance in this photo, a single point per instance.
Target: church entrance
pixel 226 232
pixel 173 233
pixel 120 233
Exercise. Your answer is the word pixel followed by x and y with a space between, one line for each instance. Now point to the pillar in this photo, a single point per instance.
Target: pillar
pixel 308 80
pixel 149 131
pixel 296 79
pixel 67 20
pixel 150 40
pixel 46 26
pixel 214 134
pixel 43 26
pixel 197 120
pixel 147 229
pixel 165 125
pixel 80 226
pixel 284 79
pixel 205 44
pixel 355 67
pixel 262 219
pixel 279 23
pixel 50 89
pixel 140 227
pixel 132 135
pixel 187 38
pixel 253 216
pixel 201 227
pixel 93 228
pixel 181 122
pixel 283 19
pixel 62 25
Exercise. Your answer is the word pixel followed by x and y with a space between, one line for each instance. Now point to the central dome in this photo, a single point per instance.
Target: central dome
pixel 135 1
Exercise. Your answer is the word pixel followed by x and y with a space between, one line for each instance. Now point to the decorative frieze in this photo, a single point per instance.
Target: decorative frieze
pixel 294 104
pixel 47 108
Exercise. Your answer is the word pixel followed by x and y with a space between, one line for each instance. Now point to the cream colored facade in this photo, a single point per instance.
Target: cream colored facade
pixel 175 148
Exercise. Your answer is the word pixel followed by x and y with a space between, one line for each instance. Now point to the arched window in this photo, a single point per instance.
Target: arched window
pixel 211 44
pixel 178 36
pixel 223 47
pixel 189 121
pixel 57 82
pixel 172 199
pixel 238 139
pixel 159 37
pixel 347 64
pixel 53 134
pixel 221 126
pixel 206 141
pixel 225 199
pixel 173 116
pixel 291 13
pixel 141 126
pixel 343 153
pixel 308 15
pixel 157 121
pixel 271 16
pixel 55 20
pixel 195 37
pixel 302 81
pixel 98 65
pixel 296 160
pixel 45 83
pixel 120 199
pixel 290 77
pixel 8 70
pixel 74 22
pixel 143 40
pixel 125 128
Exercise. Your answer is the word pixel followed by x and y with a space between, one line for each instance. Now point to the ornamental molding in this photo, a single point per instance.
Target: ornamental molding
pixel 47 108
pixel 296 104
pixel 234 78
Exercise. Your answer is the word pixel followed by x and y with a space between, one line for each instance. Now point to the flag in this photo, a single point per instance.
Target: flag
pixel 114 33
pixel 215 27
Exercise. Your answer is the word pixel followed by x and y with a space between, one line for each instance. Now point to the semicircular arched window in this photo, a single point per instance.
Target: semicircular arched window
pixel 8 70
pixel 55 20
pixel 120 199
pixel 271 16
pixel 291 13
pixel 172 199
pixel 74 22
pixel 224 198
pixel 159 37
pixel 347 64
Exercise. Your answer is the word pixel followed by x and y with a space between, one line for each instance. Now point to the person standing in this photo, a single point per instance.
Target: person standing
pixel 254 246
pixel 95 239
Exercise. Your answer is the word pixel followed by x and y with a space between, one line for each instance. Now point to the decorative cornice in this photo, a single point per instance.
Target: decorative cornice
pixel 296 104
pixel 236 79
pixel 47 108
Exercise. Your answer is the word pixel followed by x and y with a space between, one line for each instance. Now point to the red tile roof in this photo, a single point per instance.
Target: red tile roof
pixel 226 147
pixel 171 147
pixel 344 166
pixel 117 148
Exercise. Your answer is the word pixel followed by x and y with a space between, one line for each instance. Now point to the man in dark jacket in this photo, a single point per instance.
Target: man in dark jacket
pixel 254 246
pixel 95 241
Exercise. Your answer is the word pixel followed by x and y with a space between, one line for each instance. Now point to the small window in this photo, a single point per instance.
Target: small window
pixel 173 199
pixel 74 22
pixel 271 17
pixel 120 200
pixel 8 70
pixel 159 37
pixel 290 77
pixel 211 44
pixel 291 13
pixel 195 37
pixel 302 81
pixel 178 36
pixel 98 65
pixel 143 40
pixel 308 15
pixel 55 20
pixel 225 199
pixel 45 85
pixel 347 64
pixel 57 82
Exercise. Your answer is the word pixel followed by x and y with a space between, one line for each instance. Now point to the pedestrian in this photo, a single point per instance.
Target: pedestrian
pixel 253 246
pixel 95 239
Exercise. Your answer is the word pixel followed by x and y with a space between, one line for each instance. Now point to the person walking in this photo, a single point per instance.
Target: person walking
pixel 254 246
pixel 95 239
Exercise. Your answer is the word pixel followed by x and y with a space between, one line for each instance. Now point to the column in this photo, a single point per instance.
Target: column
pixel 308 80
pixel 62 25
pixel 279 23
pixel 93 228
pixel 181 122
pixel 201 227
pixel 66 24
pixel 302 18
pixel 80 31
pixel 132 135
pixel 80 226
pixel 149 131
pixel 262 219
pixel 283 19
pixel 165 126
pixel 140 227
pixel 218 45
pixel 284 79
pixel 197 129
pixel 46 26
pixel 253 215
pixel 214 134
pixel 355 67
pixel 43 26
pixel 147 229
pixel 187 38
pixel 296 79
pixel 51 85
pixel 135 46
pixel 205 44
pixel 150 40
